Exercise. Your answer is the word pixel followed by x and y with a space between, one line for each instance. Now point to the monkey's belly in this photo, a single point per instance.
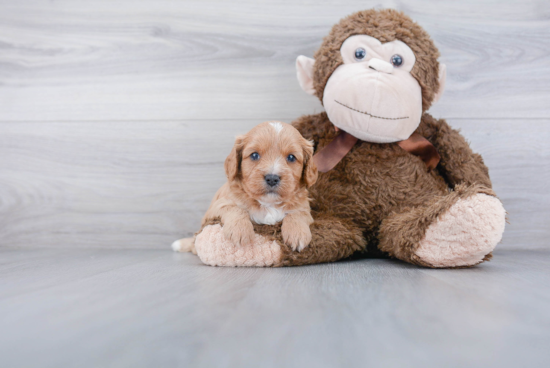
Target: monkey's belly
pixel 373 183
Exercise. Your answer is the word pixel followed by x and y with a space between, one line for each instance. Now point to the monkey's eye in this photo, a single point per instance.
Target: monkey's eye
pixel 255 156
pixel 360 53
pixel 291 158
pixel 396 60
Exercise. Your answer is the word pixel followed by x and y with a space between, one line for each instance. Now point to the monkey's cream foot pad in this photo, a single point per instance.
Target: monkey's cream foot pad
pixel 215 250
pixel 465 234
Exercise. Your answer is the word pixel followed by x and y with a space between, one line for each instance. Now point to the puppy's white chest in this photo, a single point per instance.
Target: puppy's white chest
pixel 267 214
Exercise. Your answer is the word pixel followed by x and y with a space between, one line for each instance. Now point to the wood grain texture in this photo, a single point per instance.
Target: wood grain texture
pixel 145 184
pixel 168 60
pixel 152 308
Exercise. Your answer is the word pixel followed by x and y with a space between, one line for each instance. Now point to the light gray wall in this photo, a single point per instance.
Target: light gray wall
pixel 116 116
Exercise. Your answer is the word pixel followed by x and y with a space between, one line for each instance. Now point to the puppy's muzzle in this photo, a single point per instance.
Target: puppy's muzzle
pixel 272 180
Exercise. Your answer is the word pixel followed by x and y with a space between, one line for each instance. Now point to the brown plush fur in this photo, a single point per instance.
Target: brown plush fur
pixel 379 197
pixel 386 193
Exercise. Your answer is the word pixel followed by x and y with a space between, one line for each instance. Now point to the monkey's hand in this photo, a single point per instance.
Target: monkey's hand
pixel 296 232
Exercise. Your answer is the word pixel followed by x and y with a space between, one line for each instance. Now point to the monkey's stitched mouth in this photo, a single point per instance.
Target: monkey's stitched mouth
pixel 366 113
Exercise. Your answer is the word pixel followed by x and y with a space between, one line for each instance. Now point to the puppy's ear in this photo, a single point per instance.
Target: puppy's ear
pixel 309 175
pixel 233 161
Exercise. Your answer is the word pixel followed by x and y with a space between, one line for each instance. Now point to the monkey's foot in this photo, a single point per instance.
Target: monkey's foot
pixel 215 250
pixel 465 234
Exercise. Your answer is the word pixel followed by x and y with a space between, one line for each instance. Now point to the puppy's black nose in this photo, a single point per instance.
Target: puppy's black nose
pixel 272 180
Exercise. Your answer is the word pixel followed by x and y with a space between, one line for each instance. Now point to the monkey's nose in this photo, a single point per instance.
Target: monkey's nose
pixel 380 66
pixel 272 180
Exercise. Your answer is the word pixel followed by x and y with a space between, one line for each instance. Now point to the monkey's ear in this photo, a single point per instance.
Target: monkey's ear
pixel 232 164
pixel 309 174
pixel 442 78
pixel 304 69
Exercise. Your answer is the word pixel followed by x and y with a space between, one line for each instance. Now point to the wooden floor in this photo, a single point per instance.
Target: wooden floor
pixel 153 308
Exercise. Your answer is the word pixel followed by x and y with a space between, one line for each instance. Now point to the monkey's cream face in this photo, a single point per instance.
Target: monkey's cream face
pixel 373 95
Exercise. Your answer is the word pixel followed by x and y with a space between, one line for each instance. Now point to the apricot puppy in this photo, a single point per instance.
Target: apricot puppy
pixel 268 173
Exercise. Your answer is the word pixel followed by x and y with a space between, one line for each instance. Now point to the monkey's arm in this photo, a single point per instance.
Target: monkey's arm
pixel 332 239
pixel 459 164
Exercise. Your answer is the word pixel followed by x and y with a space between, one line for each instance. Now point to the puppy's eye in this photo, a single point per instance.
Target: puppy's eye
pixel 291 158
pixel 255 156
pixel 396 60
pixel 360 53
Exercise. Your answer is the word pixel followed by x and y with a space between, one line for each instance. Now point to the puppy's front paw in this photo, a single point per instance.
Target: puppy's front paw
pixel 239 233
pixel 296 234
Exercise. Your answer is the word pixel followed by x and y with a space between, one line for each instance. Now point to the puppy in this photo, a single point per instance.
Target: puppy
pixel 268 173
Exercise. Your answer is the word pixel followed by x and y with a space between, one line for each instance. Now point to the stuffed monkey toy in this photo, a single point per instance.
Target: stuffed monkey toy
pixel 393 180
